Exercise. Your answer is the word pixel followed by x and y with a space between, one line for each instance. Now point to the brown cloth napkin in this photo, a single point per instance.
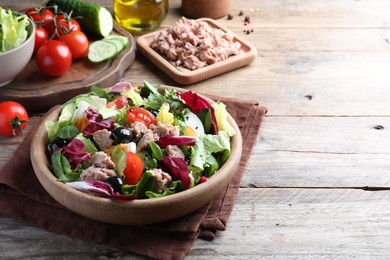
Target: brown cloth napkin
pixel 23 197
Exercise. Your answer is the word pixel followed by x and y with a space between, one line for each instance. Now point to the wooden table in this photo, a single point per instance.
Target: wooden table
pixel 318 181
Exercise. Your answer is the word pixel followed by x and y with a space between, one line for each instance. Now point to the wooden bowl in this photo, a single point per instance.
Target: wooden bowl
pixel 246 55
pixel 135 212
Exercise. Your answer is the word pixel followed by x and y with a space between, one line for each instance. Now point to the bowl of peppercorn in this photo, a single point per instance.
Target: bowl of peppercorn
pixel 87 154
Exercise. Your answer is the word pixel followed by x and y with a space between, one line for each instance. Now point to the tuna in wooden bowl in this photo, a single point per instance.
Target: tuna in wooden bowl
pixel 194 50
pixel 202 168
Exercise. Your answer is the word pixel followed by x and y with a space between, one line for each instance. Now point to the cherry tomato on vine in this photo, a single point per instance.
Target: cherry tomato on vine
pixel 137 114
pixel 54 58
pixel 77 42
pixel 42 17
pixel 13 118
pixel 134 168
pixel 63 25
pixel 41 36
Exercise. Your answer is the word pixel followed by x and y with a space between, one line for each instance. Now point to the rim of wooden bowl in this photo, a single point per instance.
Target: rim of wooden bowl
pixel 134 212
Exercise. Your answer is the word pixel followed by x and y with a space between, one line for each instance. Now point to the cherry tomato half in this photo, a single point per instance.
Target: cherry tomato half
pixel 137 114
pixel 41 36
pixel 77 42
pixel 119 102
pixel 54 58
pixel 13 118
pixel 134 168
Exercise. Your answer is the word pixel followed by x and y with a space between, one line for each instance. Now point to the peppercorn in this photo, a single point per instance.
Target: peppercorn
pixel 247 19
pixel 241 13
pixel 230 17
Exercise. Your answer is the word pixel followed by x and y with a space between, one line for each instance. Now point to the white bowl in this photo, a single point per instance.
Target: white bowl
pixel 12 62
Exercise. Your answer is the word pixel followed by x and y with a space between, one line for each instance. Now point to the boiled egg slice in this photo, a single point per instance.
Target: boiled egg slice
pixel 80 111
pixel 194 126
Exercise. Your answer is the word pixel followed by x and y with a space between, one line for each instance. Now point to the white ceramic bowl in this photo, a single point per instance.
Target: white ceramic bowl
pixel 12 62
pixel 135 212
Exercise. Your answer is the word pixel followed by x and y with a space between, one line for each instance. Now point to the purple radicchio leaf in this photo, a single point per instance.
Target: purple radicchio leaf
pixel 99 188
pixel 178 169
pixel 74 153
pixel 96 123
pixel 164 141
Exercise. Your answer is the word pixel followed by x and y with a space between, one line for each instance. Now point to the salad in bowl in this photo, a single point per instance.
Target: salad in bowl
pixel 138 143
pixel 136 155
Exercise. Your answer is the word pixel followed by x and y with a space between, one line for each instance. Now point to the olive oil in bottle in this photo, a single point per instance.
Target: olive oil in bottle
pixel 138 16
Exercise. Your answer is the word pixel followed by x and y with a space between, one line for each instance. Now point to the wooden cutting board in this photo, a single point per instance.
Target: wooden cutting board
pixel 37 92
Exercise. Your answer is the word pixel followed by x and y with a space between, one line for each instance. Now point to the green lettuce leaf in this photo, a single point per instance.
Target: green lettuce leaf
pixel 13 30
pixel 134 96
pixel 207 145
pixel 173 188
pixel 118 156
pixel 221 116
pixel 62 169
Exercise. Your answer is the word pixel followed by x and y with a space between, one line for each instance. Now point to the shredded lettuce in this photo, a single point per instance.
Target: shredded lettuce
pixel 13 29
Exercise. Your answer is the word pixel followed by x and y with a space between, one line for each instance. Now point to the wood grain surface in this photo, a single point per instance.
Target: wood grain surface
pixel 317 185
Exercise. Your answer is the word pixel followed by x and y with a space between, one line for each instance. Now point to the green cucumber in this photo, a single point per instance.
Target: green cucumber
pixel 107 48
pixel 118 43
pixel 101 50
pixel 123 39
pixel 92 17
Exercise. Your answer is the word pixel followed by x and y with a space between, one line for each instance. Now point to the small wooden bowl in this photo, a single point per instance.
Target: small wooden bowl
pixel 206 8
pixel 136 212
pixel 246 55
